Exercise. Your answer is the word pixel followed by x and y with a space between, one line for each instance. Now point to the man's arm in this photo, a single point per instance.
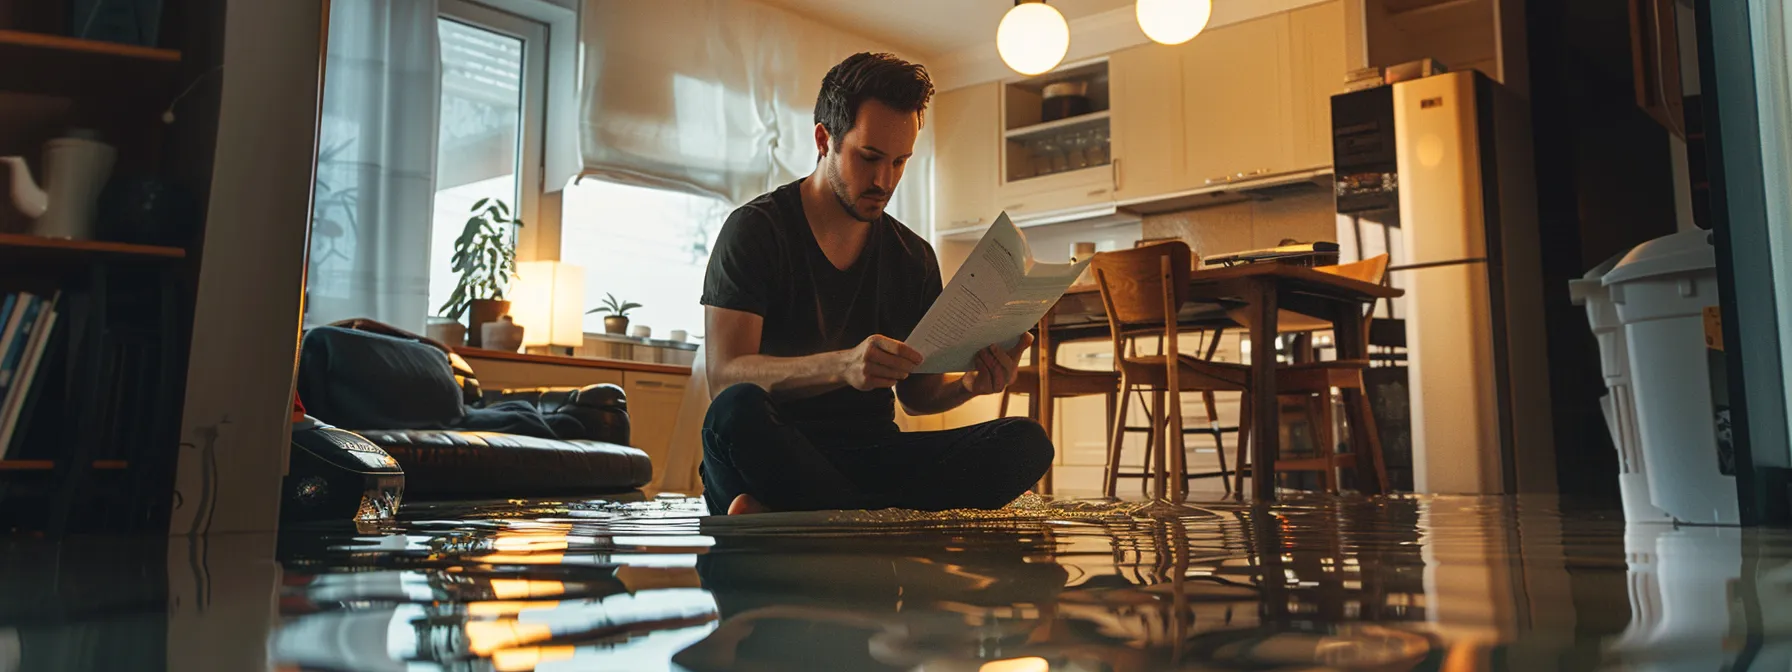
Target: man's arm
pixel 732 357
pixel 930 393
pixel 926 394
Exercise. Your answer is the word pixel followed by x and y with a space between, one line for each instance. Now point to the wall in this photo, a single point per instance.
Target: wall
pixel 234 428
pixel 1248 225
pixel 1604 184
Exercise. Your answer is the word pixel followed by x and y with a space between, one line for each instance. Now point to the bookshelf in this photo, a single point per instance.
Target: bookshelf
pixel 95 440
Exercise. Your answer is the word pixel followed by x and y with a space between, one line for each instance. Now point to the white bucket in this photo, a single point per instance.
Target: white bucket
pixel 1660 290
pixel 1619 403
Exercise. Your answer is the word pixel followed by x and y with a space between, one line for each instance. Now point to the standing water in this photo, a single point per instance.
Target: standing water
pixel 1399 583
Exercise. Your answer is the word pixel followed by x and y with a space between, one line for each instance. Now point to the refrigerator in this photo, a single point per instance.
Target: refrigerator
pixel 1437 172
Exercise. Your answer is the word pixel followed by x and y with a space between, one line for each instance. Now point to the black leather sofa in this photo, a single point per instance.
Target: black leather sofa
pixel 589 456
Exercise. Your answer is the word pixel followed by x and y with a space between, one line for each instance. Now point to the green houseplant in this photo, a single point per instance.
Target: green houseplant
pixel 486 263
pixel 617 320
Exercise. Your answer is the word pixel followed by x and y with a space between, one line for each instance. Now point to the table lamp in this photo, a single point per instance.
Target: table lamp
pixel 548 300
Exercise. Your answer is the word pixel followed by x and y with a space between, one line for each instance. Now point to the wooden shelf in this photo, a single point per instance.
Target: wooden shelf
pixel 1059 124
pixel 25 249
pixel 25 42
pixel 50 465
pixel 42 63
pixel 583 362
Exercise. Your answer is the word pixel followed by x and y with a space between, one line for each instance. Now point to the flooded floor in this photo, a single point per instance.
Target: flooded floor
pixel 1311 583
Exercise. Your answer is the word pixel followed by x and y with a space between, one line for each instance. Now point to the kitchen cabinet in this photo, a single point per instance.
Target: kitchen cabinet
pixel 653 403
pixel 1236 102
pixel 1317 56
pixel 1088 187
pixel 1239 102
pixel 1148 137
pixel 967 138
pixel 1056 165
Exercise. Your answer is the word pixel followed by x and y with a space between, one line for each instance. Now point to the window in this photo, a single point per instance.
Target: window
pixel 488 146
pixel 649 246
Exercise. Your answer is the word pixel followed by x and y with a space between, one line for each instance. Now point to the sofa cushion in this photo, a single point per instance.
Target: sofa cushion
pixel 445 463
pixel 353 379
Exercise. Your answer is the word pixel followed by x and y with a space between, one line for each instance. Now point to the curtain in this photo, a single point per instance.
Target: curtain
pixel 1770 27
pixel 370 231
pixel 714 97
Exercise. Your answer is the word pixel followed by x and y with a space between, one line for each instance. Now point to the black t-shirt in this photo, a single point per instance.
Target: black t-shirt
pixel 767 262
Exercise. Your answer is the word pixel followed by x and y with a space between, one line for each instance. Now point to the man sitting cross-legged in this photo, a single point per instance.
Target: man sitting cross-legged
pixel 809 293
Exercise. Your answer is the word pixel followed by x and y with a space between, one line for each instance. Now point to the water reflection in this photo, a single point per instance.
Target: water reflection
pixel 1344 584
pixel 1322 583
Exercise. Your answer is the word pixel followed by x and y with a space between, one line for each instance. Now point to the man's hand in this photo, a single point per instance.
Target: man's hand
pixel 879 361
pixel 996 368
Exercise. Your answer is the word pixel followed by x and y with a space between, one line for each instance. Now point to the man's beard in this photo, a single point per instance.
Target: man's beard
pixel 846 200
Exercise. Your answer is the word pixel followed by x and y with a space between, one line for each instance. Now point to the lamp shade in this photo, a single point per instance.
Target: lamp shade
pixel 548 300
pixel 1032 38
pixel 1173 21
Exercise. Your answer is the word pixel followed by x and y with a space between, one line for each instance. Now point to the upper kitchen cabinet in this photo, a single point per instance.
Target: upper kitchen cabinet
pixel 1055 147
pixel 1147 122
pixel 1237 107
pixel 966 146
pixel 1317 54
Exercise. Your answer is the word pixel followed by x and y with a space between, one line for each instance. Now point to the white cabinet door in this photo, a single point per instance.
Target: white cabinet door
pixel 967 139
pixel 1235 102
pixel 1086 187
pixel 653 403
pixel 1147 121
pixel 1317 55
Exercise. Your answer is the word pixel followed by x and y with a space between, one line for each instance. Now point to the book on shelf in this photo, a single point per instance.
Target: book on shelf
pixel 23 340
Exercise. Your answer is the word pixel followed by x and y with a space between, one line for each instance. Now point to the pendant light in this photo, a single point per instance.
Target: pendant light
pixel 1033 37
pixel 1173 21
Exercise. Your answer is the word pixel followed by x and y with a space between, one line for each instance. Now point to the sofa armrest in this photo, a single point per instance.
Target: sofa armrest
pixel 602 409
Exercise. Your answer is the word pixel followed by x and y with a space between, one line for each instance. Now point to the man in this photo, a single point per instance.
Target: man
pixel 809 293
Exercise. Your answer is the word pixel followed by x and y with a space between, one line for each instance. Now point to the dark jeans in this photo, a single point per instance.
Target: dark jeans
pixel 748 449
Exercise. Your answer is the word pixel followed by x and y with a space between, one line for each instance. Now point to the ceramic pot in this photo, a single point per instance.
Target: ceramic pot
pixel 615 325
pixel 479 313
pixel 449 332
pixel 503 335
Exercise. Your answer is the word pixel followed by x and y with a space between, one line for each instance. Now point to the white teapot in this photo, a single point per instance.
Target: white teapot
pixel 76 169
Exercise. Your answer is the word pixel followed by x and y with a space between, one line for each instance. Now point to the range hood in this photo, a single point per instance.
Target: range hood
pixel 1265 188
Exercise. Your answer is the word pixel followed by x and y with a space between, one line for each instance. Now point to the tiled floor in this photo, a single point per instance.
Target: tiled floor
pixel 1382 584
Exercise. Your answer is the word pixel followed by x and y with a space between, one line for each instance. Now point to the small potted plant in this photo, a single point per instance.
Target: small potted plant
pixel 486 263
pixel 617 320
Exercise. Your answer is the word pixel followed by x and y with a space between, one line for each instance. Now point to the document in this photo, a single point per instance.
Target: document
pixel 998 295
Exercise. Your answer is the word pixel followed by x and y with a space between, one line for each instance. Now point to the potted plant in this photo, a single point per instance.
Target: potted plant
pixel 617 320
pixel 486 263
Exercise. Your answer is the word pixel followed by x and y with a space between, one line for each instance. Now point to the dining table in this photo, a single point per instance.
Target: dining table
pixel 1264 289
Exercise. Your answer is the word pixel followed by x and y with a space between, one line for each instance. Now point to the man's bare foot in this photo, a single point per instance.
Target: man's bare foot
pixel 746 504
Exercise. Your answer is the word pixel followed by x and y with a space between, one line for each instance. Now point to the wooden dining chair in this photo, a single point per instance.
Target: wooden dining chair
pixel 1142 290
pixel 1314 382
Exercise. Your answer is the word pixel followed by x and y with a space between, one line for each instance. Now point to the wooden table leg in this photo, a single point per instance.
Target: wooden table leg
pixel 1352 342
pixel 1266 412
pixel 1042 362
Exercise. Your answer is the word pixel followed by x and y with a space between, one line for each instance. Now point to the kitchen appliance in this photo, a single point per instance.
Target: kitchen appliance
pixel 1065 99
pixel 1437 172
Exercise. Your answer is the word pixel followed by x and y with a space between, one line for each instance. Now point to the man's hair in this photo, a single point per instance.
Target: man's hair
pixel 902 85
